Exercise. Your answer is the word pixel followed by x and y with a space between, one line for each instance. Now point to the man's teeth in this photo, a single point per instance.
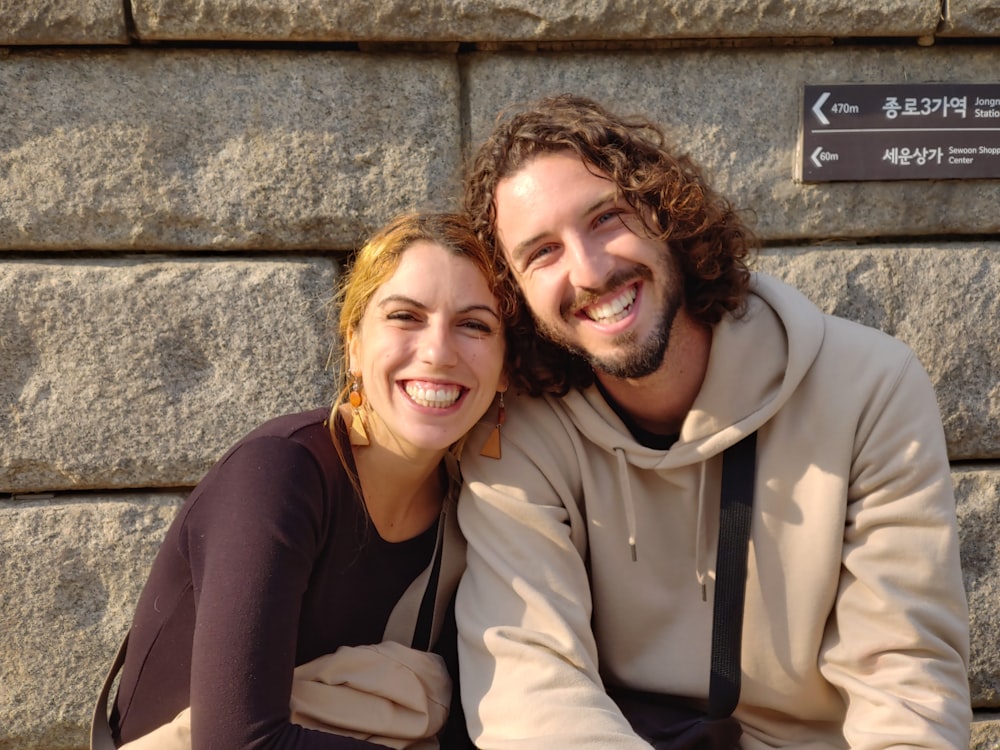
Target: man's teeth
pixel 611 311
pixel 438 396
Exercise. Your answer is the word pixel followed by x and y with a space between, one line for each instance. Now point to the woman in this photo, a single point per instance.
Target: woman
pixel 307 533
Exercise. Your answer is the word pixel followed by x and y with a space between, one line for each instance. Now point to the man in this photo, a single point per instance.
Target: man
pixel 593 540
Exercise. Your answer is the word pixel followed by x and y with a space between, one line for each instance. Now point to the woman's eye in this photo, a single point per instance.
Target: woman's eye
pixel 478 326
pixel 401 315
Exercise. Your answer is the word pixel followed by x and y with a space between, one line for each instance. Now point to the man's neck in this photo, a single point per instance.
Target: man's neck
pixel 659 402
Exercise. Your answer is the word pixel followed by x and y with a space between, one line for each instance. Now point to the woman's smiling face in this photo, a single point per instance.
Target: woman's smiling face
pixel 430 350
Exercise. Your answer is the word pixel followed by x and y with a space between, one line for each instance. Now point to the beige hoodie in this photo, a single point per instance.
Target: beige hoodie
pixel 855 626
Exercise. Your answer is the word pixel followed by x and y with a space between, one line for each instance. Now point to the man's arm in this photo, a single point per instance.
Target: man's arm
pixel 897 645
pixel 528 660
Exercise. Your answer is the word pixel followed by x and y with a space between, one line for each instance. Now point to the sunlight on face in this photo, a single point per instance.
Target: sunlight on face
pixel 430 349
pixel 596 284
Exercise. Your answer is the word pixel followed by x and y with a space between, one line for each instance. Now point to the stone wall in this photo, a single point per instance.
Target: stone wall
pixel 179 180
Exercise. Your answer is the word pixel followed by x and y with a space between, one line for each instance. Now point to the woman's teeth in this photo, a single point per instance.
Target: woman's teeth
pixel 436 396
pixel 612 311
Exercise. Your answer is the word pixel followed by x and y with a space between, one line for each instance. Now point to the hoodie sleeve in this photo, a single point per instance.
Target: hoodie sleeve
pixel 527 655
pixel 896 646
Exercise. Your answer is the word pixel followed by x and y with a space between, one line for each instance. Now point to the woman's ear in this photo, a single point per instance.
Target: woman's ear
pixel 353 353
pixel 504 382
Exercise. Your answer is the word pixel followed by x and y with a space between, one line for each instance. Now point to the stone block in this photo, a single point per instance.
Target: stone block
pixel 526 20
pixel 70 573
pixel 58 22
pixel 985 732
pixel 977 489
pixel 139 373
pixel 222 149
pixel 938 300
pixel 737 112
pixel 975 18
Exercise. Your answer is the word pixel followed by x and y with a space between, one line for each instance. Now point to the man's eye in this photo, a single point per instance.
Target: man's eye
pixel 607 215
pixel 538 254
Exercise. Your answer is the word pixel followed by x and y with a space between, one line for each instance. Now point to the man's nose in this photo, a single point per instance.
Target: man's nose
pixel 590 263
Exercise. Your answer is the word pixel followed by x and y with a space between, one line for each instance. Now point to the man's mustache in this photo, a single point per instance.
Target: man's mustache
pixel 586 297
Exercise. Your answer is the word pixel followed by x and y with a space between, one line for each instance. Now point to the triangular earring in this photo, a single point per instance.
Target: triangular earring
pixel 358 435
pixel 492 447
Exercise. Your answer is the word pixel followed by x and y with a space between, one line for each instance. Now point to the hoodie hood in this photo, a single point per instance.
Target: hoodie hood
pixel 756 362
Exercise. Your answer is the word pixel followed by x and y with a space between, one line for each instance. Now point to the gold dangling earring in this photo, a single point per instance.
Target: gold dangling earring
pixel 358 434
pixel 492 447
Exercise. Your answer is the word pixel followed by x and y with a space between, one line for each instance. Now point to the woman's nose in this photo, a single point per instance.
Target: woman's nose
pixel 437 346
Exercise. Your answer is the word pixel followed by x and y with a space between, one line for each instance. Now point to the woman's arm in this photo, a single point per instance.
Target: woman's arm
pixel 251 540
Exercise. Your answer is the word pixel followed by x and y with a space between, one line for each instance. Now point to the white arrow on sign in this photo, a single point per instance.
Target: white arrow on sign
pixel 815 156
pixel 817 108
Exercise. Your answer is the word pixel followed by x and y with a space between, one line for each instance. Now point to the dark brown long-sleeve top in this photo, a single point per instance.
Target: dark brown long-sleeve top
pixel 269 564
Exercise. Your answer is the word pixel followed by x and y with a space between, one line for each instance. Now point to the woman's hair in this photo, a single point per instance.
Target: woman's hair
pixel 667 189
pixel 377 261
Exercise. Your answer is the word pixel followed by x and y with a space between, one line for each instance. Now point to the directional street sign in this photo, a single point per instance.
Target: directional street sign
pixel 906 131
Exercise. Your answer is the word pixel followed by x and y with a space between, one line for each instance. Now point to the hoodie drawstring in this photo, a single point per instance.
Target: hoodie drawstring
pixel 701 534
pixel 626 490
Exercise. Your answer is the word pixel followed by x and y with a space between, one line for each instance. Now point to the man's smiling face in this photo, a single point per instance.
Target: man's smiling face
pixel 595 282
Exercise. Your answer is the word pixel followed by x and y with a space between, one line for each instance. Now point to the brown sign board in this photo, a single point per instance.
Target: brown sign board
pixel 905 131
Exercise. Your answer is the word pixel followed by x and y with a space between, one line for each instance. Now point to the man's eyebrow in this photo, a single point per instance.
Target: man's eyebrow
pixel 524 245
pixel 610 197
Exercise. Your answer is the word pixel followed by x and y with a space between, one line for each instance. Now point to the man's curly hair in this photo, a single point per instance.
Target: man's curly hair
pixel 666 189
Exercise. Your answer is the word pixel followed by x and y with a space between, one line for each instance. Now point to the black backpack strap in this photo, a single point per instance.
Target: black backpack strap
pixel 100 728
pixel 738 475
pixel 418 617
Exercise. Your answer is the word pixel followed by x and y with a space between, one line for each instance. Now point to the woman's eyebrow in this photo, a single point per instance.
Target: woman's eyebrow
pixel 402 298
pixel 484 308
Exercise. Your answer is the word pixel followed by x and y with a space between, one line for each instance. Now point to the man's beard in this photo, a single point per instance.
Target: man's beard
pixel 640 358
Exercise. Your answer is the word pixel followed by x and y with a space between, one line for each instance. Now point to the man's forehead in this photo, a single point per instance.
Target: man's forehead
pixel 535 180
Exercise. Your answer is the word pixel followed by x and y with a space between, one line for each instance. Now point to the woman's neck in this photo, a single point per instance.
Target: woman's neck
pixel 403 494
